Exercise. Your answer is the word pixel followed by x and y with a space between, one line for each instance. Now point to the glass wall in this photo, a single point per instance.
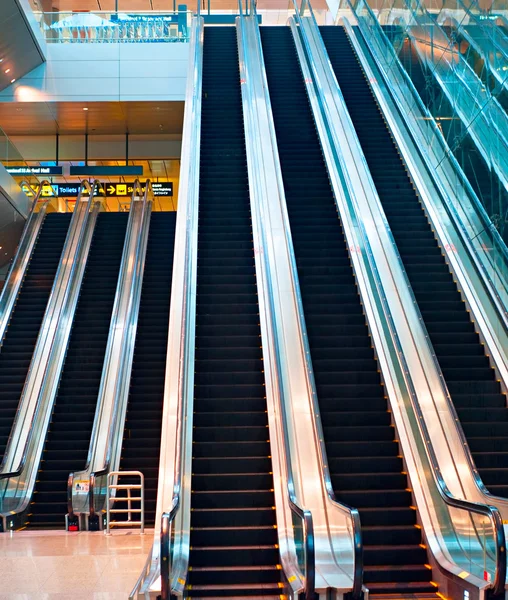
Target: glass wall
pixel 456 54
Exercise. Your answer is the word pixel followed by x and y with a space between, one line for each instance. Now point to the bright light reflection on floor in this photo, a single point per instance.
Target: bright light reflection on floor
pixel 56 565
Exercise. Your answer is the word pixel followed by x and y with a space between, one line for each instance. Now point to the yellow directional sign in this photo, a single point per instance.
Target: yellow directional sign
pixel 112 190
pixel 47 191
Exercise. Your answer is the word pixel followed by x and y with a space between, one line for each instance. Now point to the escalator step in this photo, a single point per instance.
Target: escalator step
pixel 233 537
pixel 68 438
pixel 465 368
pixel 365 466
pixel 21 334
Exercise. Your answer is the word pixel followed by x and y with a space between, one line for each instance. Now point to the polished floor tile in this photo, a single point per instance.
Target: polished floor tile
pixel 56 565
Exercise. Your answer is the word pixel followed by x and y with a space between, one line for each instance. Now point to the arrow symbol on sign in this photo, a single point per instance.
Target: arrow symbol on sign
pixel 111 189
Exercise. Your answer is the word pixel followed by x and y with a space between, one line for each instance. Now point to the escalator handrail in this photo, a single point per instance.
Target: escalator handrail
pixel 84 187
pixel 304 515
pixel 190 165
pixel 483 509
pixel 71 477
pixel 136 193
pixel 22 256
pixel 352 513
pixel 451 210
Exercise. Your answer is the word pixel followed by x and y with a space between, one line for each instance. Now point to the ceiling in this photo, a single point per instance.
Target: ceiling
pixel 101 118
pixel 19 52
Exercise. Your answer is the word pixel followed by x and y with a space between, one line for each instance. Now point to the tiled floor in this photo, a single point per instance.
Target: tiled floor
pixel 55 565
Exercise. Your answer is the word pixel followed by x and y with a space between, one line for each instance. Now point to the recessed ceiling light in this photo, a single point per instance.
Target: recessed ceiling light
pixel 13 80
pixel 85 108
pixel 1 60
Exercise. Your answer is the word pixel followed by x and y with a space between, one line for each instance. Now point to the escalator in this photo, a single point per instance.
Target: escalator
pixel 21 335
pixel 142 434
pixel 68 438
pixel 233 534
pixel 470 379
pixel 365 464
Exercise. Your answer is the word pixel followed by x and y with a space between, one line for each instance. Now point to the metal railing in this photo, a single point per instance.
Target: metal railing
pixel 111 499
pixel 115 27
pixel 266 282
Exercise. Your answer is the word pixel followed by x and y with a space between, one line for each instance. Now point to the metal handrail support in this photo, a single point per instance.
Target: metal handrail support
pixel 111 498
pixel 292 363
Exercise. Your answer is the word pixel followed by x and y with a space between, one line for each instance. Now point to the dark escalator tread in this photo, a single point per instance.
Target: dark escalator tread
pixel 142 434
pixel 233 536
pixel 472 383
pixel 21 335
pixel 68 439
pixel 364 458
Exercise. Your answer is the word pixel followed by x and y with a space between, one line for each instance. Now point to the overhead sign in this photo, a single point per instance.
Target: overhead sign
pixel 35 170
pixel 163 189
pixel 132 18
pixel 114 171
pixel 117 190
pixel 66 190
pixel 111 190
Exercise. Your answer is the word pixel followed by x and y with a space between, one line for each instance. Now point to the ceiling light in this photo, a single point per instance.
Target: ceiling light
pixel 85 108
pixel 7 70
pixel 1 60
pixel 13 80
